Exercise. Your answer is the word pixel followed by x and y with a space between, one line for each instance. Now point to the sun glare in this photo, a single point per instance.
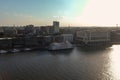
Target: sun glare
pixel 101 12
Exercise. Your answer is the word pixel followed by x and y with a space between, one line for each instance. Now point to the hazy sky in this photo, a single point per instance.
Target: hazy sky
pixel 68 12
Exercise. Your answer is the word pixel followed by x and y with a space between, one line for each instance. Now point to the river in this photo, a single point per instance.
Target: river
pixel 76 64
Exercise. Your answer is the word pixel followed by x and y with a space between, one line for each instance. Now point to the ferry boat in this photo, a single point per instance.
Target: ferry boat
pixel 60 46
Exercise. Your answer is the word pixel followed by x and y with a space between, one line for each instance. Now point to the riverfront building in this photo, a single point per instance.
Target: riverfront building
pixel 92 38
pixel 68 37
pixel 55 27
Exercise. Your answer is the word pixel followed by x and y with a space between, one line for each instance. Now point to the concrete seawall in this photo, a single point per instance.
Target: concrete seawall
pixel 21 42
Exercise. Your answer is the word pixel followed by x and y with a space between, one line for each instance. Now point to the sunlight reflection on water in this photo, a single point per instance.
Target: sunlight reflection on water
pixel 115 62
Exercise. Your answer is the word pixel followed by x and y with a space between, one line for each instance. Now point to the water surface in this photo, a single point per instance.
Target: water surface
pixel 76 64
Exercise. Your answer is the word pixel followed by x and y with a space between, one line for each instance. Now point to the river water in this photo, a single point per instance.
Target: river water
pixel 73 64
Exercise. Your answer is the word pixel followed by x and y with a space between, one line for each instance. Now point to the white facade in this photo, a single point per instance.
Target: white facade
pixel 99 36
pixel 93 36
pixel 67 37
pixel 55 27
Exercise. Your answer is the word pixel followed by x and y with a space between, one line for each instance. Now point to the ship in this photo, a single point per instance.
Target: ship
pixel 60 46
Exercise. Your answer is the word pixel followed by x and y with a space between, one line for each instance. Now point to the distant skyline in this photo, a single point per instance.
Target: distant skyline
pixel 68 12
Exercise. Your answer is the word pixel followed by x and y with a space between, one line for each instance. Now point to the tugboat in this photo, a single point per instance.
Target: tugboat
pixel 60 46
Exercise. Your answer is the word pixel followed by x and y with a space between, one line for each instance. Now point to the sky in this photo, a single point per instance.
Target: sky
pixel 68 12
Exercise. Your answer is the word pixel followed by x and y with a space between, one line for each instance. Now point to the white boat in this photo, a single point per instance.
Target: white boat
pixel 27 49
pixel 15 50
pixel 60 46
pixel 3 51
